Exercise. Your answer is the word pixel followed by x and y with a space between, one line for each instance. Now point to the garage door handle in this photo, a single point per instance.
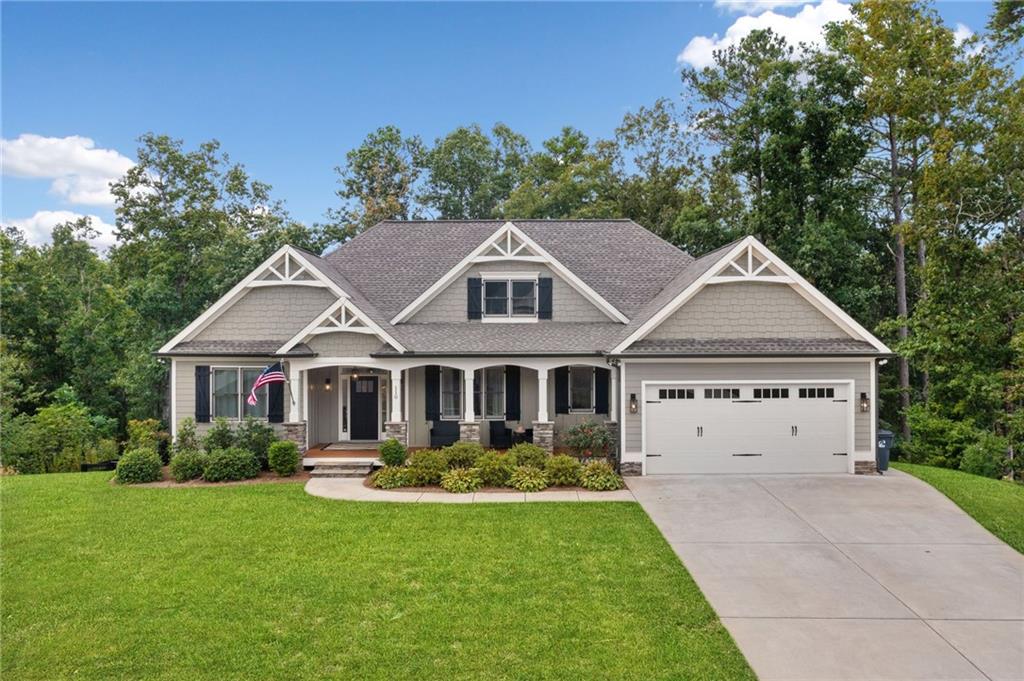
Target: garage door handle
pixel 793 431
pixel 700 431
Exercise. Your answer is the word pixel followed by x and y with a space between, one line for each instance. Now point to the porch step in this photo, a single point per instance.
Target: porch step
pixel 342 469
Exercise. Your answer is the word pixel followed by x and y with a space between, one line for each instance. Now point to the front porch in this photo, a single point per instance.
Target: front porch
pixel 344 409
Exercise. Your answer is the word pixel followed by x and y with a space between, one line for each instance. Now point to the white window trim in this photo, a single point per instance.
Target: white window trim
pixel 241 393
pixel 509 317
pixel 593 389
pixel 440 394
pixel 483 396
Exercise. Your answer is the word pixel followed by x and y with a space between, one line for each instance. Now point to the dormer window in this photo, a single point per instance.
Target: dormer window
pixel 509 298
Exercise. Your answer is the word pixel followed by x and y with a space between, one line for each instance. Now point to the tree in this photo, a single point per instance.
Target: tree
pixel 377 182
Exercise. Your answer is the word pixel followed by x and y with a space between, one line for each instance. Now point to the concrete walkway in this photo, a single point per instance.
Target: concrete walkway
pixel 846 577
pixel 353 489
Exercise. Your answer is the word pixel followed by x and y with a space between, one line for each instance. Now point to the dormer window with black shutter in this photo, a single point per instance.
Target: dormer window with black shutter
pixel 509 297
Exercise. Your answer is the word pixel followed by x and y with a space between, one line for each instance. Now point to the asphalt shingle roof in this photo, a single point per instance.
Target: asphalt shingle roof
pixel 239 348
pixel 524 339
pixel 751 346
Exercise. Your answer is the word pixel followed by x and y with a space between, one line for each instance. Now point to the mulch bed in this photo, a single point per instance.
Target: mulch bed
pixel 367 482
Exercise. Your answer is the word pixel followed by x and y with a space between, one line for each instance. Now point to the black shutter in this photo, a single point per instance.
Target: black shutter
pixel 511 393
pixel 433 396
pixel 473 297
pixel 477 380
pixel 601 378
pixel 275 402
pixel 202 394
pixel 544 298
pixel 562 390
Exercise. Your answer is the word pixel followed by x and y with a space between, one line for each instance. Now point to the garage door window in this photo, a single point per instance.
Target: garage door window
pixel 721 393
pixel 675 394
pixel 817 393
pixel 771 393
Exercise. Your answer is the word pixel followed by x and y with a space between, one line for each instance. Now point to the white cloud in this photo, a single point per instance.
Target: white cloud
pixel 80 172
pixel 806 26
pixel 39 228
pixel 962 32
pixel 755 6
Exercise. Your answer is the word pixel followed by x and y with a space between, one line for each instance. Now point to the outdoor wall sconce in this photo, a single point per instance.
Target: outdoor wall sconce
pixel 865 403
pixel 327 384
pixel 634 407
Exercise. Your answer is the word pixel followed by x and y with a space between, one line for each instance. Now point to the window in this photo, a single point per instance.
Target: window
pixel 721 393
pixel 510 298
pixel 231 386
pixel 817 393
pixel 493 390
pixel 771 393
pixel 581 389
pixel 451 393
pixel 675 393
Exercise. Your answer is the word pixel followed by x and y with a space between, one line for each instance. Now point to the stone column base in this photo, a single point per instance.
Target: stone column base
pixel 865 468
pixel 469 431
pixel 544 435
pixel 296 432
pixel 398 430
pixel 631 468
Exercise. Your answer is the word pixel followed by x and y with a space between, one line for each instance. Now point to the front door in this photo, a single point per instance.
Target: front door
pixel 365 408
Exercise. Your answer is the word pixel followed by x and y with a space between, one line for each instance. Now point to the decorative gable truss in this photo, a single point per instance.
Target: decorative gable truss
pixel 288 267
pixel 510 244
pixel 751 261
pixel 341 316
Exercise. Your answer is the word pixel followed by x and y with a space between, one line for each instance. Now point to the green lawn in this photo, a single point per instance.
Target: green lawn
pixel 264 581
pixel 997 504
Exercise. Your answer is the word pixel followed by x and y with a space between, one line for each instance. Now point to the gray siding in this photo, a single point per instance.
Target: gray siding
pixel 269 313
pixel 344 344
pixel 747 310
pixel 859 372
pixel 568 305
pixel 323 406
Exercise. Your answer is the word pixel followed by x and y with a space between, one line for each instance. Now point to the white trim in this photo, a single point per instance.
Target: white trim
pixel 506 232
pixel 873 413
pixel 174 399
pixel 440 393
pixel 521 276
pixel 239 368
pixel 509 317
pixel 347 308
pixel 799 284
pixel 851 411
pixel 593 388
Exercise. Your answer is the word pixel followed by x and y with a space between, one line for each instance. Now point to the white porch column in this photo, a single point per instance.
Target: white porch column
pixel 297 393
pixel 613 395
pixel 467 395
pixel 542 395
pixel 396 395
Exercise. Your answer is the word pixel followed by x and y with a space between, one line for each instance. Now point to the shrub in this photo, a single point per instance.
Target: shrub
pixel 393 452
pixel 563 470
pixel 528 479
pixel 426 466
pixel 139 465
pixel 220 435
pixel 283 457
pixel 105 450
pixel 987 456
pixel 391 477
pixel 233 463
pixel 187 464
pixel 588 439
pixel 143 434
pixel 529 454
pixel 186 438
pixel 50 440
pixel 937 441
pixel 495 468
pixel 462 454
pixel 461 480
pixel 69 460
pixel 256 436
pixel 600 477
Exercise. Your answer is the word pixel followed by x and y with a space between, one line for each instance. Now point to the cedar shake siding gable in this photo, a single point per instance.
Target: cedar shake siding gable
pixel 344 344
pixel 268 313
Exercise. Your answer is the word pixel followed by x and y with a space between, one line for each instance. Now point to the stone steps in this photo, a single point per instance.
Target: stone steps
pixel 347 469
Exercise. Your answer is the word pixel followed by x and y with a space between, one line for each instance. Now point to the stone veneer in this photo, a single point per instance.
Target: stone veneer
pixel 544 435
pixel 469 431
pixel 865 467
pixel 398 430
pixel 630 468
pixel 296 432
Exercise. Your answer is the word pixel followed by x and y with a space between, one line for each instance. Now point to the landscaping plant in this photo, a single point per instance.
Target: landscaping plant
pixel 392 452
pixel 390 477
pixel 462 454
pixel 563 470
pixel 233 463
pixel 187 464
pixel 461 480
pixel 138 466
pixel 528 454
pixel 283 457
pixel 528 479
pixel 256 436
pixel 495 468
pixel 186 438
pixel 588 439
pixel 219 436
pixel 426 466
pixel 598 476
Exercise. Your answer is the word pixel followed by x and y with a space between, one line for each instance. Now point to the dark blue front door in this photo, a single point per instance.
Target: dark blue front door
pixel 364 408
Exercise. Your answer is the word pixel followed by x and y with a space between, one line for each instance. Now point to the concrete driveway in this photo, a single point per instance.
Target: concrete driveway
pixel 846 577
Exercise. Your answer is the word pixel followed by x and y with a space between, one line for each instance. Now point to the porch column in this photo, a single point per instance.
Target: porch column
pixel 543 427
pixel 296 392
pixel 469 427
pixel 613 395
pixel 542 394
pixel 396 395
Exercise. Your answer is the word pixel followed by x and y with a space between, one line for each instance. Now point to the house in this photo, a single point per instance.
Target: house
pixel 436 331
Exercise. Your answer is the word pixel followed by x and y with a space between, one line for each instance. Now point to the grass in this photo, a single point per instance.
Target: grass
pixel 998 505
pixel 263 581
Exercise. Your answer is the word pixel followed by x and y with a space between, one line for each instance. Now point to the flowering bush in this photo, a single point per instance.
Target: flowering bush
pixel 588 439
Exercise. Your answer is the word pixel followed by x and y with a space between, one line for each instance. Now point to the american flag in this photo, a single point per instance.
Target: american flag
pixel 272 374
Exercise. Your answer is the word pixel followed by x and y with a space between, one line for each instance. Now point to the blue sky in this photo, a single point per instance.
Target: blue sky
pixel 288 88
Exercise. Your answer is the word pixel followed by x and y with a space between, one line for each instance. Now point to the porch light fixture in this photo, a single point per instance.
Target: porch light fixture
pixel 355 375
pixel 633 406
pixel 327 384
pixel 865 403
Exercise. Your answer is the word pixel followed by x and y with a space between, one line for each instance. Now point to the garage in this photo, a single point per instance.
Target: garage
pixel 747 427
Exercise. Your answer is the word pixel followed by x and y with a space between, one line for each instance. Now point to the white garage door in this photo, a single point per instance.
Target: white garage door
pixel 746 428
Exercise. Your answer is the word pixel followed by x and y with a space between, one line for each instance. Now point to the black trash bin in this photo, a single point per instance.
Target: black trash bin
pixel 882 449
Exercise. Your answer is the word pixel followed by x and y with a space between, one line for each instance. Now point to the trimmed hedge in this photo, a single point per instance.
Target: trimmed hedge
pixel 495 468
pixel 233 463
pixel 187 464
pixel 529 454
pixel 392 452
pixel 138 466
pixel 462 454
pixel 283 457
pixel 563 470
pixel 426 467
